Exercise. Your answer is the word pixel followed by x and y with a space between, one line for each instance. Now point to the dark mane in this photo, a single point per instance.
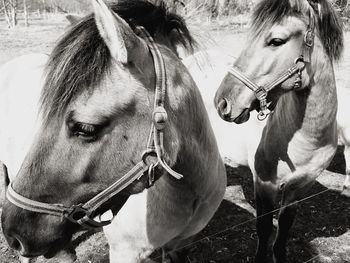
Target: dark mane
pixel 330 28
pixel 81 58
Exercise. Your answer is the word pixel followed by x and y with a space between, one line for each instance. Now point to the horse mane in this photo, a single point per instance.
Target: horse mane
pixel 81 59
pixel 268 12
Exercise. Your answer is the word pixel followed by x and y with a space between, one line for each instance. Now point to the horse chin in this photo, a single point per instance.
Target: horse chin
pixel 243 117
pixel 57 247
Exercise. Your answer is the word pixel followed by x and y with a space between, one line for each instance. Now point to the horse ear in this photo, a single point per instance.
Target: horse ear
pixel 301 5
pixel 73 19
pixel 114 30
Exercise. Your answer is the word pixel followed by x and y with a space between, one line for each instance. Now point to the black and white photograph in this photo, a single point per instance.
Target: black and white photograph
pixel 175 131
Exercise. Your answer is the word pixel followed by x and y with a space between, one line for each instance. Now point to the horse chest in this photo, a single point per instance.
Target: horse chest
pixel 276 161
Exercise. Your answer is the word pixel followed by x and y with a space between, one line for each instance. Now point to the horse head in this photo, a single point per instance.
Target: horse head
pixel 96 108
pixel 289 42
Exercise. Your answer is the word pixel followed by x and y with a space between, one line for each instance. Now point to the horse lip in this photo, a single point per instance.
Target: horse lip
pixel 51 252
pixel 243 117
pixel 25 255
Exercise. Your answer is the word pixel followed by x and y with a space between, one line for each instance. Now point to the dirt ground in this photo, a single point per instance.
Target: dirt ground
pixel 321 232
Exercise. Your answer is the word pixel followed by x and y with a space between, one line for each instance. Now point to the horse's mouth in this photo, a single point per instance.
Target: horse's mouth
pixel 243 117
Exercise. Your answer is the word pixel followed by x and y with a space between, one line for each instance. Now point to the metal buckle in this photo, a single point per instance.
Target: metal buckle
pixel 151 174
pixel 147 153
pixel 76 212
pixel 299 59
pixel 261 93
pixel 309 37
pixel 263 114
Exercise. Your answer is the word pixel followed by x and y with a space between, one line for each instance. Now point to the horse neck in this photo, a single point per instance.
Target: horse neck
pixel 191 132
pixel 312 111
pixel 321 104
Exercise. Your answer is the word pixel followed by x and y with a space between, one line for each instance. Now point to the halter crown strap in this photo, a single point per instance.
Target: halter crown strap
pixel 81 214
pixel 160 115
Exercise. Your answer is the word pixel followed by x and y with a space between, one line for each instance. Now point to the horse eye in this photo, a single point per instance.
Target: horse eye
pixel 84 131
pixel 276 42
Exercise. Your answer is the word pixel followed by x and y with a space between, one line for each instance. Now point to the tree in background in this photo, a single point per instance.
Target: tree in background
pixel 25 13
pixel 214 8
pixel 10 12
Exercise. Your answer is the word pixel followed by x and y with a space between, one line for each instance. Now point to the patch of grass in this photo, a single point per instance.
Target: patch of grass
pixel 39 37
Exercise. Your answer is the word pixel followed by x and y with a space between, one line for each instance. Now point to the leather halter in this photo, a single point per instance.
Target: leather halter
pixel 299 65
pixel 82 213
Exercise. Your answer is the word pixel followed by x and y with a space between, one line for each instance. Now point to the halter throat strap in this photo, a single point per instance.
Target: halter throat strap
pixel 82 213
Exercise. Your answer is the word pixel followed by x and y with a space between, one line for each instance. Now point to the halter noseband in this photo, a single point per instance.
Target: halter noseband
pixel 299 65
pixel 82 213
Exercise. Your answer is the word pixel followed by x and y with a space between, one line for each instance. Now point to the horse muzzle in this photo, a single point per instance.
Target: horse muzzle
pixel 225 111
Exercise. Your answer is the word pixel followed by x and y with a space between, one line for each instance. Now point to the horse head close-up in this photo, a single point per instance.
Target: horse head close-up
pixel 119 113
pixel 291 45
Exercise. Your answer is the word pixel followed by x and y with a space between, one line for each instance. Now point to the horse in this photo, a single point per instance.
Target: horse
pixel 122 140
pixel 289 79
pixel 237 143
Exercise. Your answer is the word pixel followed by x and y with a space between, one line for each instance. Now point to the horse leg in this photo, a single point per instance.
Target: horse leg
pixel 285 221
pixel 264 207
pixel 175 251
pixel 347 165
pixel 291 192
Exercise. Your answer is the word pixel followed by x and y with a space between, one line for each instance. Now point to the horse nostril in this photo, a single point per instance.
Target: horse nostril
pixel 15 243
pixel 224 107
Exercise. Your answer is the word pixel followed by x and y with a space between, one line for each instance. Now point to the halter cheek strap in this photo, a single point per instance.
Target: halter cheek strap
pixel 298 67
pixel 82 214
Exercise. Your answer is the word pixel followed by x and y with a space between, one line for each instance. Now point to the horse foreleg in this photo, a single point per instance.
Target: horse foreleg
pixel 174 256
pixel 176 251
pixel 291 192
pixel 264 207
pixel 347 164
pixel 285 221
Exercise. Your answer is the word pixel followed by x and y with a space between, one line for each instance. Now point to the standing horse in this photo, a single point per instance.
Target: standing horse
pixel 288 66
pixel 119 113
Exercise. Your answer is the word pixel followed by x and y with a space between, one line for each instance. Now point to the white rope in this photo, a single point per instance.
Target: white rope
pixel 311 259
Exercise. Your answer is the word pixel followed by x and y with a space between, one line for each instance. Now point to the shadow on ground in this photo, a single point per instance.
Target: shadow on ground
pixel 326 215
